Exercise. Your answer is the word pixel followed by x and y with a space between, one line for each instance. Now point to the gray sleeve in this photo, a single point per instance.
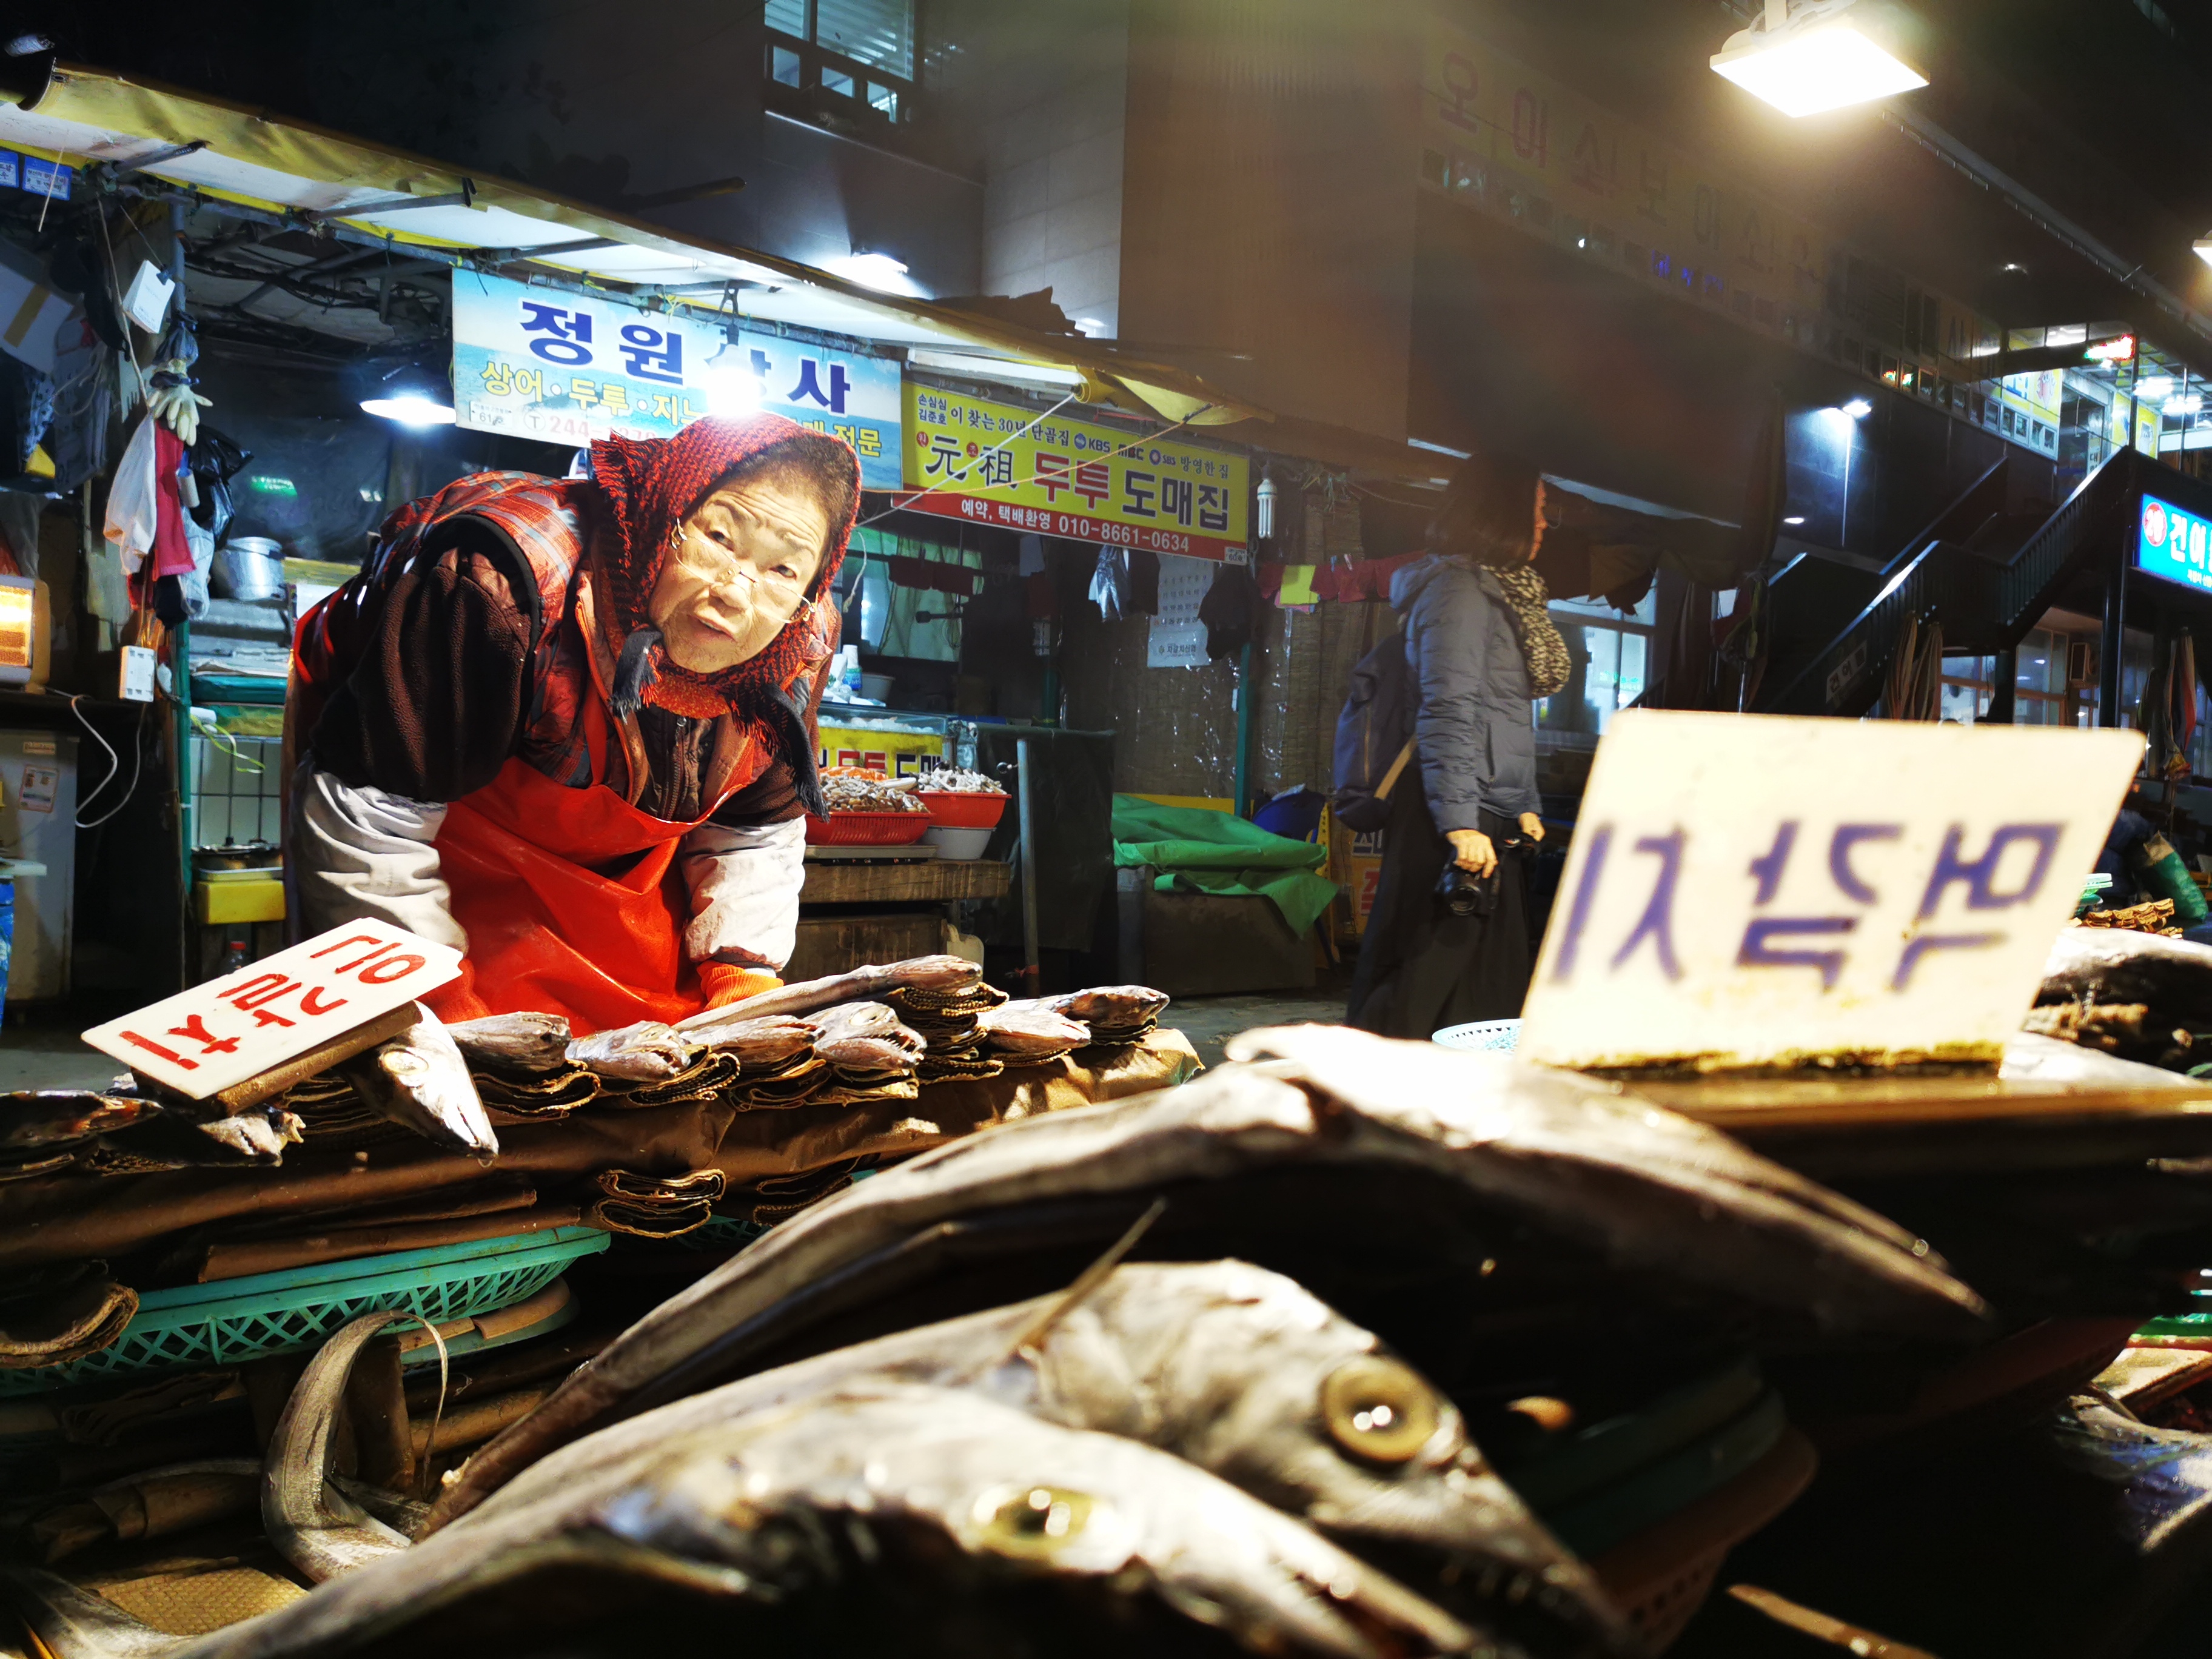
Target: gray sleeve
pixel 744 892
pixel 364 853
pixel 1447 636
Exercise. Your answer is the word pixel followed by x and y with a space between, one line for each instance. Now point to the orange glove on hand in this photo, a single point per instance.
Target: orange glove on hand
pixel 721 984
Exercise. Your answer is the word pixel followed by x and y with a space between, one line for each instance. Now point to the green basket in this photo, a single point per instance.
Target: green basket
pixel 242 1318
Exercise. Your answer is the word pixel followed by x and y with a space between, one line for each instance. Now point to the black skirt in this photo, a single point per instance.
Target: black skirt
pixel 1421 968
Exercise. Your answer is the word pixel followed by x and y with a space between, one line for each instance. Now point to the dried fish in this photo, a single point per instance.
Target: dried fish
pixel 759 1045
pixel 259 1134
pixel 1031 1028
pixel 2109 965
pixel 1230 1367
pixel 918 1519
pixel 52 1117
pixel 514 1043
pixel 924 973
pixel 1437 1146
pixel 866 1043
pixel 419 1081
pixel 1111 1007
pixel 312 1525
pixel 648 1052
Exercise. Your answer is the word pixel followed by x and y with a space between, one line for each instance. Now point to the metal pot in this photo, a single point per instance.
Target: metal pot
pixel 250 568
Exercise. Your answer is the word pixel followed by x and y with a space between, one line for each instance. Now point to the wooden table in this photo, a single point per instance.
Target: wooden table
pixel 852 912
pixel 931 881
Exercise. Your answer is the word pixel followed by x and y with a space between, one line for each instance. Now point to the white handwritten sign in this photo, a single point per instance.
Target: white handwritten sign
pixel 1746 890
pixel 228 1029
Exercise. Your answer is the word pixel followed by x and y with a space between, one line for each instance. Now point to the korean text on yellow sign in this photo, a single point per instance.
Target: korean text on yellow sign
pixel 1001 465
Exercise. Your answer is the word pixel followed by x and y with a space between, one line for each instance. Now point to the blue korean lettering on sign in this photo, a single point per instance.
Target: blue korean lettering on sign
pixel 2172 544
pixel 1750 890
pixel 568 369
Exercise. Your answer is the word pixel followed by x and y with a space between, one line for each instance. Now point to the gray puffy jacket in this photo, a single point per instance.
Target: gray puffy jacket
pixel 1475 730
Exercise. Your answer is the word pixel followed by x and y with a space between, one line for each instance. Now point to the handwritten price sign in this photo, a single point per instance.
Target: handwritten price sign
pixel 204 1039
pixel 1749 890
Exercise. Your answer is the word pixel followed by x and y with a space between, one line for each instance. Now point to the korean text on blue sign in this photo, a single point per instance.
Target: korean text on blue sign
pixel 2172 544
pixel 565 368
pixel 1757 891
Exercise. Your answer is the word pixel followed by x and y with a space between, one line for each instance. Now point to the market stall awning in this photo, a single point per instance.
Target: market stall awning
pixel 269 163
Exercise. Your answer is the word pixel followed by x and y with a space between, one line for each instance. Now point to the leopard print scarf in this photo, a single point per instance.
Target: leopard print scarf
pixel 1541 647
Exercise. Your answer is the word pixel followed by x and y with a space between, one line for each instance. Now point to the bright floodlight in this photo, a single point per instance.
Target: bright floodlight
pixel 409 409
pixel 1858 409
pixel 877 271
pixel 2204 245
pixel 1825 65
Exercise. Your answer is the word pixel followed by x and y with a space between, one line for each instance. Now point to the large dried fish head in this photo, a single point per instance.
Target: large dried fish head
pixel 648 1052
pixel 517 1043
pixel 420 1081
pixel 1235 1369
pixel 939 1522
pixel 1243 1373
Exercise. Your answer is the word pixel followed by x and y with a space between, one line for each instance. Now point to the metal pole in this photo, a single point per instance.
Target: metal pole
pixel 1244 728
pixel 180 681
pixel 2109 711
pixel 2003 695
pixel 1025 782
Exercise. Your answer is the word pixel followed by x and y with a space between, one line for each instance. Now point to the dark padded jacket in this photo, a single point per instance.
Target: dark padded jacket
pixel 1475 730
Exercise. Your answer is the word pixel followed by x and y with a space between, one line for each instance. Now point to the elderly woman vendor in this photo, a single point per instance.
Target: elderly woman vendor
pixel 567 726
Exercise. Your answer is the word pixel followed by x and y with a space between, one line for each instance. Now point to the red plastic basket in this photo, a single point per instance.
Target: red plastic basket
pixel 963 809
pixel 867 829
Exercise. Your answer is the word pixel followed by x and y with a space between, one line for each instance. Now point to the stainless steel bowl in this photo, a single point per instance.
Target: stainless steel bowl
pixel 250 567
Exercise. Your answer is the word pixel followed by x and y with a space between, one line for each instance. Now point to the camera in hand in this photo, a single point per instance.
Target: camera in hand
pixel 1463 893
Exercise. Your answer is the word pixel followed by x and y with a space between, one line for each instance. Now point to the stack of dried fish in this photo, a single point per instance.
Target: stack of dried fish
pixel 2155 916
pixel 777 1066
pixel 127 1129
pixel 2130 994
pixel 871 1056
pixel 650 1064
pixel 1119 1016
pixel 950 1022
pixel 521 1065
pixel 1031 1033
pixel 653 1207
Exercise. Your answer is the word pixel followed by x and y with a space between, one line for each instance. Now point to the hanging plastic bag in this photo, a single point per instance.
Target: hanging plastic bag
pixel 217 459
pixel 134 498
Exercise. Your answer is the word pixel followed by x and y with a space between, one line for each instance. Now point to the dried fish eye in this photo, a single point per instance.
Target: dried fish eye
pixel 1378 1409
pixel 1033 1521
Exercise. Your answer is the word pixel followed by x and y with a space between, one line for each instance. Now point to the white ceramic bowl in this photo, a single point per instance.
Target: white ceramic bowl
pixel 957 843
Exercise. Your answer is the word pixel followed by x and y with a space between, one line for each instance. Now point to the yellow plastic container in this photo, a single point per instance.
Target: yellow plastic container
pixel 261 897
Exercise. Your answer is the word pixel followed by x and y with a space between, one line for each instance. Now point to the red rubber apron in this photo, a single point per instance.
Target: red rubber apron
pixel 570 900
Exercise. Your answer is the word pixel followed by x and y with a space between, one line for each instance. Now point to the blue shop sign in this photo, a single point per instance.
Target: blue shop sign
pixel 2174 544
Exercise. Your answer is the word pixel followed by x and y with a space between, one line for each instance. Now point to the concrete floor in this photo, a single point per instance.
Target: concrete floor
pixel 1209 1021
pixel 39 1056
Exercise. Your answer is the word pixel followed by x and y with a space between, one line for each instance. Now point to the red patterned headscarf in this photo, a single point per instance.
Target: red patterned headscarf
pixel 650 486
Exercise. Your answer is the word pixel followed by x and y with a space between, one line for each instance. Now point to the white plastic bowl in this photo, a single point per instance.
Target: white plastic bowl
pixel 952 843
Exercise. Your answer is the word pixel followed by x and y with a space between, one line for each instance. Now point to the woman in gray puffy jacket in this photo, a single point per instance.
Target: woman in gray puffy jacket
pixel 1481 647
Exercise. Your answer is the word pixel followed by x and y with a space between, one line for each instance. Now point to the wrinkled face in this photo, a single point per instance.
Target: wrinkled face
pixel 739 571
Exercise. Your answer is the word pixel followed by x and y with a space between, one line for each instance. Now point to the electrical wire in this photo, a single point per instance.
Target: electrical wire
pixel 114 765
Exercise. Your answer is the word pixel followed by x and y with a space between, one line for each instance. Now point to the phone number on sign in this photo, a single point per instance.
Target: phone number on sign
pixel 1076 527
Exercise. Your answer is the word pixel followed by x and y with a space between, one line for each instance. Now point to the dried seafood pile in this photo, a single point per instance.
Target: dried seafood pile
pixel 847 793
pixel 1019 1446
pixel 951 1022
pixel 2155 916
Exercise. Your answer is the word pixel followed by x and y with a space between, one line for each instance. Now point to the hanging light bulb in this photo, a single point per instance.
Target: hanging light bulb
pixel 731 386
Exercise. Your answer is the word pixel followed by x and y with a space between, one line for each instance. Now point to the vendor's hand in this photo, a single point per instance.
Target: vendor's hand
pixel 1472 851
pixel 722 984
pixel 1532 826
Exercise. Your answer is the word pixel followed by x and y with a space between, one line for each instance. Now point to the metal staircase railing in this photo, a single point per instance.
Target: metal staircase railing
pixel 1854 658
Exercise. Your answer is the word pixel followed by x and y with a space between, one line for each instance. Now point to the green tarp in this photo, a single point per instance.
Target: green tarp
pixel 1200 851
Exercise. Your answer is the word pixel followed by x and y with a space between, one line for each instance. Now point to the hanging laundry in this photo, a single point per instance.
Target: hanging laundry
pixel 1227 610
pixel 134 498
